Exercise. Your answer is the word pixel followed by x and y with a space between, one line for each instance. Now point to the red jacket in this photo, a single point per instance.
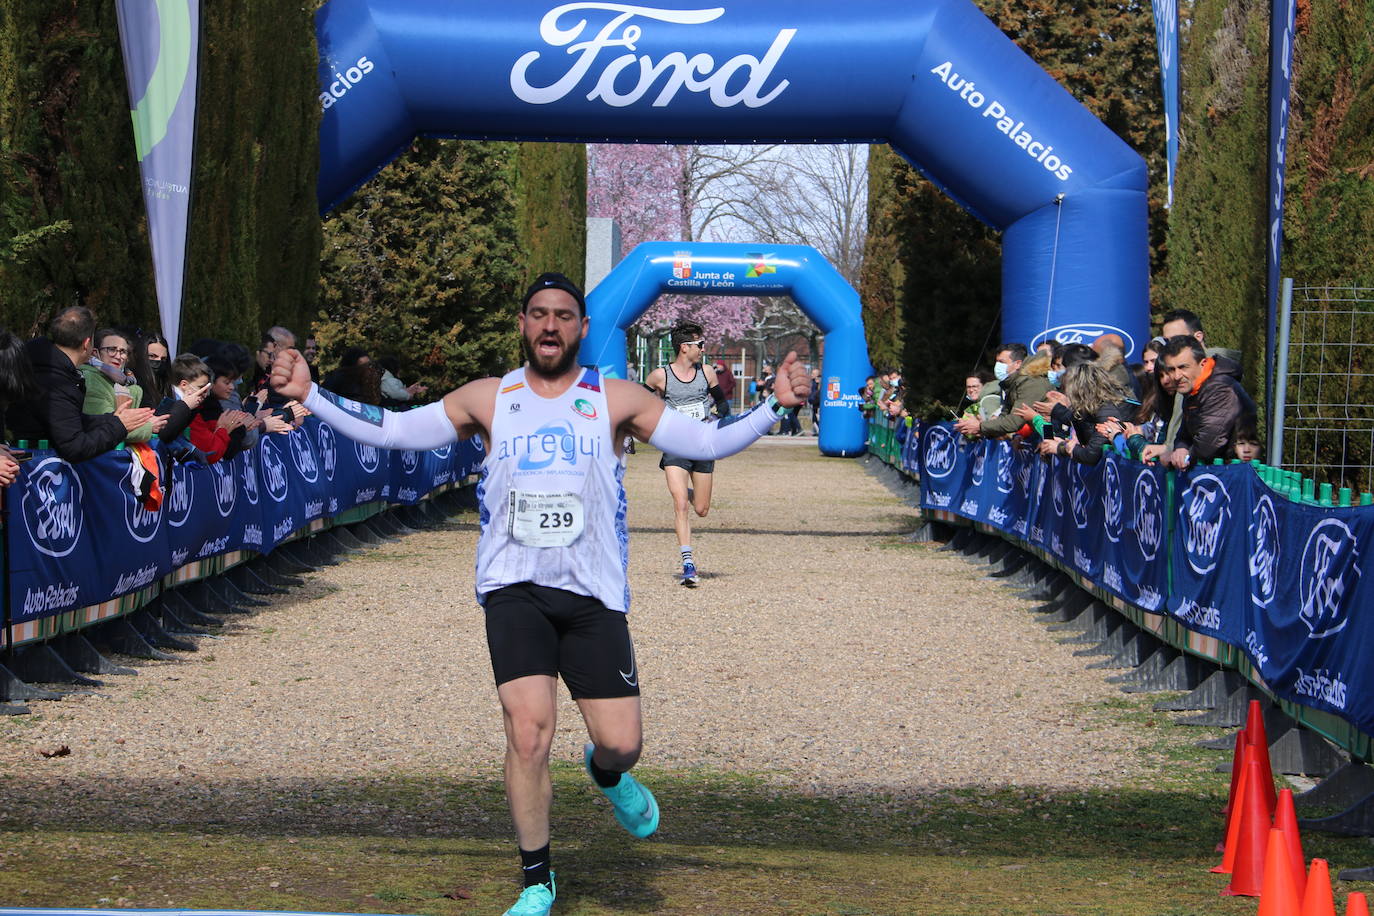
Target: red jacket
pixel 209 437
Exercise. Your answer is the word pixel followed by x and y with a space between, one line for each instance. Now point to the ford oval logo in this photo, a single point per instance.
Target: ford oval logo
pixel 141 521
pixel 941 452
pixel 1204 512
pixel 329 451
pixel 182 496
pixel 52 507
pixel 1264 552
pixel 1330 573
pixel 1082 332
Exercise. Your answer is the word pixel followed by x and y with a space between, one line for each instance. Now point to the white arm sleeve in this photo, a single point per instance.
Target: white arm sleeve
pixel 420 430
pixel 683 437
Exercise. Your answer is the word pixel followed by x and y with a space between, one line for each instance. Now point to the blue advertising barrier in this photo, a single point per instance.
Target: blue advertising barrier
pixel 1213 548
pixel 934 78
pixel 726 268
pixel 78 536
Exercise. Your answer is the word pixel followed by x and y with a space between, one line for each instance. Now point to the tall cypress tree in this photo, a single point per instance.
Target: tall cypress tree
pixel 72 225
pixel 69 188
pixel 425 262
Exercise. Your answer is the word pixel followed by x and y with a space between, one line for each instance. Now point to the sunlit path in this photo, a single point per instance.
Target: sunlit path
pixel 820 650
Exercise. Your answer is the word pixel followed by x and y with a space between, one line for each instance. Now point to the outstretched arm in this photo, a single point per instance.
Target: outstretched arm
pixel 431 426
pixel 645 417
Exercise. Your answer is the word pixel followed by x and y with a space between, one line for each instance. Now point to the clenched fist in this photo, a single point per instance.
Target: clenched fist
pixel 291 375
pixel 792 385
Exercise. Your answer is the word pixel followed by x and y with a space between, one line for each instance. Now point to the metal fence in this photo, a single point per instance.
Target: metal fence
pixel 1327 412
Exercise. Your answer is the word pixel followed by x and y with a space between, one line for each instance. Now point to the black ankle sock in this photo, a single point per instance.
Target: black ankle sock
pixel 535 865
pixel 604 778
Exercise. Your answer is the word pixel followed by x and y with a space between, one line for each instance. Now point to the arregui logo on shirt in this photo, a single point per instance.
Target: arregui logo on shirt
pixel 553 442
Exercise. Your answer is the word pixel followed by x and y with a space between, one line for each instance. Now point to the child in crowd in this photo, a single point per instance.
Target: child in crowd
pixel 212 430
pixel 1245 440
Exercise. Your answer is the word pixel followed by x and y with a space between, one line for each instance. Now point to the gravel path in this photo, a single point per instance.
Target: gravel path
pixel 820 651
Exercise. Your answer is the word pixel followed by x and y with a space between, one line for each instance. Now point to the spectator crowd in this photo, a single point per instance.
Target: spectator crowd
pixel 1182 405
pixel 84 389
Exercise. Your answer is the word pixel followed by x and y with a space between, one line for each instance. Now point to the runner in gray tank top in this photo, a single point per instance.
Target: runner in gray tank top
pixel 690 388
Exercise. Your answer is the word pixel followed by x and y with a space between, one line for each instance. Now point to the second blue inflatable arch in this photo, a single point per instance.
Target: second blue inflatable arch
pixel 724 269
pixel 935 78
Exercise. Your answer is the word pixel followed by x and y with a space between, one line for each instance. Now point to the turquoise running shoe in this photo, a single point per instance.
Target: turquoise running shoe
pixel 635 806
pixel 536 900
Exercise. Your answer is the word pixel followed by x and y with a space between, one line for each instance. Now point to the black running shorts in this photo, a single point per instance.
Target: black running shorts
pixel 532 629
pixel 687 464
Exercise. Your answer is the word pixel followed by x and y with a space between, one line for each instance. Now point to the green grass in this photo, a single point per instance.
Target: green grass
pixel 729 844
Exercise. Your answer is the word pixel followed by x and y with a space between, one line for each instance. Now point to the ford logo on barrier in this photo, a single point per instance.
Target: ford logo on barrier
pixel 303 455
pixel 1024 469
pixel 1264 552
pixel 329 451
pixel 1204 511
pixel 52 507
pixel 409 462
pixel 250 476
pixel 223 479
pixel 1330 573
pixel 978 465
pixel 1079 499
pixel 1149 515
pixel 1004 468
pixel 368 456
pixel 1081 333
pixel 141 522
pixel 182 496
pixel 273 471
pixel 1112 513
pixel 941 452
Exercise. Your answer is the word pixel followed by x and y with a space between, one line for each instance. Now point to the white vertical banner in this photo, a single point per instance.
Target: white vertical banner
pixel 160 40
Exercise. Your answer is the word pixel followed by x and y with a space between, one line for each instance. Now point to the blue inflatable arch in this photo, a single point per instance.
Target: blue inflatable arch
pixel 728 269
pixel 935 78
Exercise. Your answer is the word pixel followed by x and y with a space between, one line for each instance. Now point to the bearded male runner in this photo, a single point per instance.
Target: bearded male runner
pixel 553 549
pixel 690 388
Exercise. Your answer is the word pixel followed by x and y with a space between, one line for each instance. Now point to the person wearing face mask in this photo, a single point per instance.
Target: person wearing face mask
pixel 1019 387
pixel 149 362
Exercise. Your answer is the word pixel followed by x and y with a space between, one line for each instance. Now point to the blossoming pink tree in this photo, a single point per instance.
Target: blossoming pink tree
pixel 656 193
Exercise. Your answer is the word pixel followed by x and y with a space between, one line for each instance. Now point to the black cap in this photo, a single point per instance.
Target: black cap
pixel 555 281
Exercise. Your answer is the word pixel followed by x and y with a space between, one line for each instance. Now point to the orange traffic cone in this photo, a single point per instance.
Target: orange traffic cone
pixel 1232 841
pixel 1279 897
pixel 1356 905
pixel 1257 738
pixel 1247 871
pixel 1237 764
pixel 1286 819
pixel 1318 901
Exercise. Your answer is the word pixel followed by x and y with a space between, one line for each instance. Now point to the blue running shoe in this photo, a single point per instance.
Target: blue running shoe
pixel 689 575
pixel 536 900
pixel 635 806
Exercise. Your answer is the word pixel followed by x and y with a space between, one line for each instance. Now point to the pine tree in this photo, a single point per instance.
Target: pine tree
pixel 425 263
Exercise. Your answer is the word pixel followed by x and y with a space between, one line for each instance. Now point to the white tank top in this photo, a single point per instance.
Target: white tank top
pixel 551 498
